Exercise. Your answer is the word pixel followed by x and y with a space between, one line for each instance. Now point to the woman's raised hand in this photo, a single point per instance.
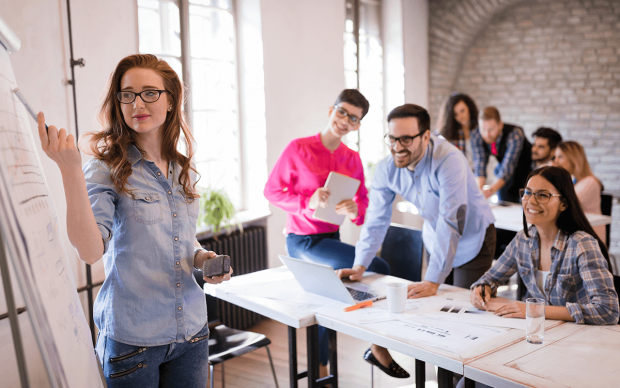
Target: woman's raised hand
pixel 58 146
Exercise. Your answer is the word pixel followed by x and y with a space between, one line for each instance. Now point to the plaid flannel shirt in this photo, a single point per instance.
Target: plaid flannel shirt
pixel 578 279
pixel 482 151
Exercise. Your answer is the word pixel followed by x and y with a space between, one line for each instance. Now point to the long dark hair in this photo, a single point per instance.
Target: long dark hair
pixel 572 219
pixel 449 127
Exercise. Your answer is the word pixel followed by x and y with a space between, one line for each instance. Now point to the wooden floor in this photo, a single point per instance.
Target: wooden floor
pixel 253 370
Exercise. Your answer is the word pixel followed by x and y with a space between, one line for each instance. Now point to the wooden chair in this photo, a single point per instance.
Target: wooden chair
pixel 226 343
pixel 403 249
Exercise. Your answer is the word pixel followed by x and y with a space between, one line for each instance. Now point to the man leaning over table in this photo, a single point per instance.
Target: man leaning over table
pixel 434 175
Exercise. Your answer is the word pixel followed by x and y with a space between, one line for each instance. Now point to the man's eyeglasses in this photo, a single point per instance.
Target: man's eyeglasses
pixel 541 197
pixel 342 113
pixel 127 97
pixel 405 141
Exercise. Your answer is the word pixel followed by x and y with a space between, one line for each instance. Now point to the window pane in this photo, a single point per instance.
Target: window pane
pixel 226 4
pixel 213 85
pixel 159 27
pixel 369 139
pixel 212 33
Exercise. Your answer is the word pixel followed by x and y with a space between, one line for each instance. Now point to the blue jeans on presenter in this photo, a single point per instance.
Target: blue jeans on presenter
pixel 327 249
pixel 176 365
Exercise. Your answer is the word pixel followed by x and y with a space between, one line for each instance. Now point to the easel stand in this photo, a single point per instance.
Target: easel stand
pixel 12 311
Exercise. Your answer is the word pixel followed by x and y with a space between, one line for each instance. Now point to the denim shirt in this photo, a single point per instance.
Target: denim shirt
pixel 149 296
pixel 443 188
pixel 579 278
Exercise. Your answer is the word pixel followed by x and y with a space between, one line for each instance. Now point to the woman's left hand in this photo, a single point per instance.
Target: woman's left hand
pixel 347 207
pixel 512 310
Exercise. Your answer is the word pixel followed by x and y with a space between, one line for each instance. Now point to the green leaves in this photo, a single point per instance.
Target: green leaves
pixel 216 210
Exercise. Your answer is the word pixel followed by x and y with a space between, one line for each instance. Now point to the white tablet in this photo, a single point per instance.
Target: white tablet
pixel 341 187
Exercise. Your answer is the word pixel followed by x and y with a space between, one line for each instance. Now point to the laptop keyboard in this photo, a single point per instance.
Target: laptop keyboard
pixel 361 295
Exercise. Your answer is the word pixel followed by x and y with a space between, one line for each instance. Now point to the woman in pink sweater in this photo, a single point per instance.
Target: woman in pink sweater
pixel 296 185
pixel 571 156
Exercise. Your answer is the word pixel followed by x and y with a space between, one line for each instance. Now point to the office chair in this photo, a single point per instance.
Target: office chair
pixel 606 205
pixel 226 343
pixel 403 249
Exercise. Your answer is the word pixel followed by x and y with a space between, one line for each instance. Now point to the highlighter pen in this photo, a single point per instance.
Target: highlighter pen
pixel 367 303
pixel 21 98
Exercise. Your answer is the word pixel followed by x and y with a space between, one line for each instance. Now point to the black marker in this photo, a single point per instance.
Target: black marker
pixel 21 98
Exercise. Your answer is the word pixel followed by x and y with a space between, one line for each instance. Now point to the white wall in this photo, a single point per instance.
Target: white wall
pixel 415 40
pixel 103 33
pixel 304 72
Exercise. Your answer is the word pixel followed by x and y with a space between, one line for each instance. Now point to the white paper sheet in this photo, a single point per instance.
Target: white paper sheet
pixel 447 335
pixel 462 311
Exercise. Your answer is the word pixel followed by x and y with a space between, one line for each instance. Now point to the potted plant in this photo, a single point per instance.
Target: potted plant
pixel 216 211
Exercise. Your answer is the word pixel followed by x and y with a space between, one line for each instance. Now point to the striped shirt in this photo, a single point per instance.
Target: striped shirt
pixel 579 278
pixel 505 169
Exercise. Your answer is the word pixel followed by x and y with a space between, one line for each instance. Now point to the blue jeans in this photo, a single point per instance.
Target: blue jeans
pixel 327 249
pixel 177 365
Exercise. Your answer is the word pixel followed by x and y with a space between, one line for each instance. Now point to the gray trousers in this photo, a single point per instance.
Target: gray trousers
pixel 465 275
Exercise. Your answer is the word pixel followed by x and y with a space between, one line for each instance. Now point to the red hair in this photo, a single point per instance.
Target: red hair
pixel 111 144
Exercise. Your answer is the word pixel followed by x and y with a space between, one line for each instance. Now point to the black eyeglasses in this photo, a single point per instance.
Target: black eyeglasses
pixel 405 141
pixel 541 197
pixel 342 113
pixel 127 97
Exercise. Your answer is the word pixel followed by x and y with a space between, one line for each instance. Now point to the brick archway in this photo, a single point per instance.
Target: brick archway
pixel 453 26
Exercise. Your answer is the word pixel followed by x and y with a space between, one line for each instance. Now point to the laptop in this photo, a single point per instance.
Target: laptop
pixel 322 280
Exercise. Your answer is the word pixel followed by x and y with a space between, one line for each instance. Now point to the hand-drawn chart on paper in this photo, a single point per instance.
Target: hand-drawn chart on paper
pixel 34 246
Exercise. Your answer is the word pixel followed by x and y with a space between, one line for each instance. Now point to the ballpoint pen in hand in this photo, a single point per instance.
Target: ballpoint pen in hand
pixel 484 297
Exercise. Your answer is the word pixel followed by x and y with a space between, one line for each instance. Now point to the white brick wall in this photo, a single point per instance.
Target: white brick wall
pixel 544 62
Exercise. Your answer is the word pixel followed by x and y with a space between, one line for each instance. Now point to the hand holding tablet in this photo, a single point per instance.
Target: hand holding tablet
pixel 335 199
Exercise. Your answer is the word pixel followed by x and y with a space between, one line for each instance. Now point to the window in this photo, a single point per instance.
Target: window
pixel 363 57
pixel 210 61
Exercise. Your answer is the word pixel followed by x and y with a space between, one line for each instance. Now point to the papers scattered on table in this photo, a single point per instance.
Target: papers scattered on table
pixel 462 311
pixel 447 335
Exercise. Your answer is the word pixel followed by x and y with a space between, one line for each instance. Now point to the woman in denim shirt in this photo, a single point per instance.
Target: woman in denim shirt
pixel 135 204
pixel 560 258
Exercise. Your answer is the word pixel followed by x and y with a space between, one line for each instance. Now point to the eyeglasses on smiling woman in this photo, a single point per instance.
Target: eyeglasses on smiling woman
pixel 127 97
pixel 541 197
pixel 342 113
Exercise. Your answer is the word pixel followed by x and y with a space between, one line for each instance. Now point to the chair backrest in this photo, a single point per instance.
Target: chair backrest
pixel 212 313
pixel 606 205
pixel 403 249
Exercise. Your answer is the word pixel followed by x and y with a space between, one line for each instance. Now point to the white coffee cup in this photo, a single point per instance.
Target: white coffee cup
pixel 396 294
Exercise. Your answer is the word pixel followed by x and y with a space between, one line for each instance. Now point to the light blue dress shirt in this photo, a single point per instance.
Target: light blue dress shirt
pixel 443 188
pixel 149 296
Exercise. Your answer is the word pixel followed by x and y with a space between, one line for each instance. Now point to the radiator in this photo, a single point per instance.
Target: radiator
pixel 248 253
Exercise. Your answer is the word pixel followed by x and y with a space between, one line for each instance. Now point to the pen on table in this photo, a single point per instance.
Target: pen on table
pixel 360 305
pixel 21 98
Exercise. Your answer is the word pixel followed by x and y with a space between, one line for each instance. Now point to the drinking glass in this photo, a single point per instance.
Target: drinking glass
pixel 535 320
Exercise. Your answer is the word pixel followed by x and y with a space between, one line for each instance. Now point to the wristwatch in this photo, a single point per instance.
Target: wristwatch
pixel 195 253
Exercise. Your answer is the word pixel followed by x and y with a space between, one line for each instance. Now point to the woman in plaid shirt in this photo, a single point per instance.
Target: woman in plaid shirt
pixel 560 258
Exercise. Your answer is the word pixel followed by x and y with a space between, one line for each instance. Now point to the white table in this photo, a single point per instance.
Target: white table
pixel 288 312
pixel 445 360
pixel 571 356
pixel 510 217
pixel 294 316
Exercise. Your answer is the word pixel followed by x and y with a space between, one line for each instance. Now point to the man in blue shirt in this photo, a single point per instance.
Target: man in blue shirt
pixel 433 175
